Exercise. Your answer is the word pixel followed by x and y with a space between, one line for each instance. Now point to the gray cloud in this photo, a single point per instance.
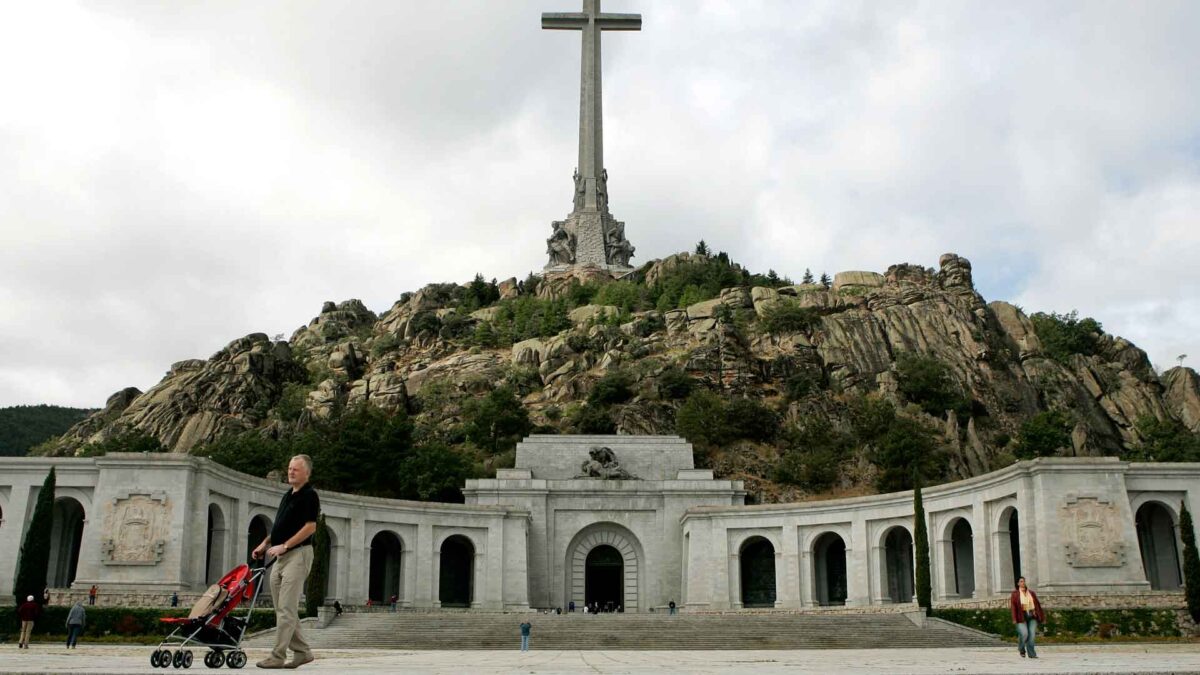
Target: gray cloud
pixel 175 175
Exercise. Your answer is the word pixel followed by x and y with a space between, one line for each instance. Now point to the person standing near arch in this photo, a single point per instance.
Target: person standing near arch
pixel 1026 614
pixel 526 627
pixel 290 543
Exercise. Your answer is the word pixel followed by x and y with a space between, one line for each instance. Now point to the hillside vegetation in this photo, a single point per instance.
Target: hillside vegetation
pixel 832 386
pixel 24 426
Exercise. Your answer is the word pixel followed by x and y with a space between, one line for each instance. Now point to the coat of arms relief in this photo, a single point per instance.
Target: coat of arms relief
pixel 135 528
pixel 1091 532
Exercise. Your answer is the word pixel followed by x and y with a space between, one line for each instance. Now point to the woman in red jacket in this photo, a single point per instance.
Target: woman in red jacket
pixel 1026 614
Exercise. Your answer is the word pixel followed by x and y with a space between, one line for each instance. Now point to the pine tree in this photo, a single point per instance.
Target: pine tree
pixel 808 277
pixel 1191 563
pixel 921 541
pixel 34 561
pixel 318 577
pixel 702 248
pixel 825 280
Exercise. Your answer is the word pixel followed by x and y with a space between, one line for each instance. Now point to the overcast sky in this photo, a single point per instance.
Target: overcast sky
pixel 174 175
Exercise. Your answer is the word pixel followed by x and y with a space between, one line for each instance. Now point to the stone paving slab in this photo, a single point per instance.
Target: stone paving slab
pixel 1073 659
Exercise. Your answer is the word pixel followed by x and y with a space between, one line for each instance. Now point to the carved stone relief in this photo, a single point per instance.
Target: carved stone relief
pixel 135 529
pixel 1092 532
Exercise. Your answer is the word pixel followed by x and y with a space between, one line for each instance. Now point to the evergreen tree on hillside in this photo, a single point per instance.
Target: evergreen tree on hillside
pixel 808 277
pixel 921 541
pixel 1191 563
pixel 702 248
pixel 34 560
pixel 825 281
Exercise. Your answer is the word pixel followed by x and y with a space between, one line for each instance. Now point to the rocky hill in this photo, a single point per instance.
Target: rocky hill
pixel 806 352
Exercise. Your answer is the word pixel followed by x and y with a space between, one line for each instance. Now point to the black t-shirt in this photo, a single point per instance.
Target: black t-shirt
pixel 295 509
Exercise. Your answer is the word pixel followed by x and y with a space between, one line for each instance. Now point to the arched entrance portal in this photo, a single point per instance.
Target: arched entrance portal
pixel 456 572
pixel 65 536
pixel 214 555
pixel 260 527
pixel 829 569
pixel 384 580
pixel 757 558
pixel 1156 539
pixel 963 556
pixel 578 570
pixel 1007 541
pixel 604 574
pixel 898 557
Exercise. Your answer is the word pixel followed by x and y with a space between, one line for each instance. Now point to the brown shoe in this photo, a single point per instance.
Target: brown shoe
pixel 299 660
pixel 271 662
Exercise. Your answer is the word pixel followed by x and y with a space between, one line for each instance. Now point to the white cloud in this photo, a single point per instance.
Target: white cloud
pixel 173 176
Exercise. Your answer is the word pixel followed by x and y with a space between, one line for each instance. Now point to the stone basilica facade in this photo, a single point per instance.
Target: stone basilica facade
pixel 620 520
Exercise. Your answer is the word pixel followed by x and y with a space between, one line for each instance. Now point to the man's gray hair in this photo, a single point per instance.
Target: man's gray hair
pixel 307 462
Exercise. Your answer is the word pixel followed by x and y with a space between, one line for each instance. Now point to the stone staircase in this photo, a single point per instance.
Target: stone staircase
pixel 463 630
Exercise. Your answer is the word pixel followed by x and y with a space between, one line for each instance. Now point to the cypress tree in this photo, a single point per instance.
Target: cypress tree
pixel 1191 563
pixel 318 577
pixel 34 560
pixel 921 541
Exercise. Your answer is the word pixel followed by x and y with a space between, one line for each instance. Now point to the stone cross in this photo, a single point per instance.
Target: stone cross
pixel 590 235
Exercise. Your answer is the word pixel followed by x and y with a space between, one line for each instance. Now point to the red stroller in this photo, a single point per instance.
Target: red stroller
pixel 212 623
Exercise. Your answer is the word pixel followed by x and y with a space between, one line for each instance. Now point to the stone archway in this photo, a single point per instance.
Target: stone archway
pixel 456 572
pixel 757 560
pixel 260 527
pixel 385 577
pixel 1008 550
pixel 66 535
pixel 962 557
pixel 612 536
pixel 898 564
pixel 214 552
pixel 604 578
pixel 829 569
pixel 1156 539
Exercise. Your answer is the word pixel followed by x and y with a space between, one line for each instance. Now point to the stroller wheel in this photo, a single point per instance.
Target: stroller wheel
pixel 154 658
pixel 177 659
pixel 236 659
pixel 164 658
pixel 186 661
pixel 214 659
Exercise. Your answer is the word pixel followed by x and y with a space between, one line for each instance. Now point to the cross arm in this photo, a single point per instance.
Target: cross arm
pixel 619 21
pixel 564 20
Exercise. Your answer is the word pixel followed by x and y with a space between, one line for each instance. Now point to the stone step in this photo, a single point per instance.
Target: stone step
pixel 437 630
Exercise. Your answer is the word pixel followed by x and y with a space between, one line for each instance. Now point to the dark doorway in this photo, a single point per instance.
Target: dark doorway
pixel 386 552
pixel 1014 546
pixel 604 578
pixel 66 537
pixel 214 556
pixel 963 547
pixel 457 572
pixel 829 562
pixel 260 527
pixel 898 554
pixel 758 573
pixel 1156 539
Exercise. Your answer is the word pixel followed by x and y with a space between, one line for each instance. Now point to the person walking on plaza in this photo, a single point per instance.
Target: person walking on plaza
pixel 92 594
pixel 337 608
pixel 290 543
pixel 394 600
pixel 76 620
pixel 1026 614
pixel 671 606
pixel 525 628
pixel 175 599
pixel 28 612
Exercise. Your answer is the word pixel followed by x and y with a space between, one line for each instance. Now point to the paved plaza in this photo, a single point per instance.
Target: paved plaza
pixel 1076 659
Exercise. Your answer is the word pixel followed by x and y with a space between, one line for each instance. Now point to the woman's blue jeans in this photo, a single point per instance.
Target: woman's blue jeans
pixel 1026 633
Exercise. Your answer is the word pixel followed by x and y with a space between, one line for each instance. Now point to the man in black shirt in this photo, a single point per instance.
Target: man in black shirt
pixel 290 543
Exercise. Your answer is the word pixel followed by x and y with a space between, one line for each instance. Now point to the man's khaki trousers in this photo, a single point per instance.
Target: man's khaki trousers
pixel 26 631
pixel 287 583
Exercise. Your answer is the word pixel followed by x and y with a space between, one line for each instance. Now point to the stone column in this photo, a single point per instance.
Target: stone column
pixel 427 567
pixel 733 571
pixel 358 560
pixel 857 565
pixel 12 534
pixel 979 548
pixel 788 587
